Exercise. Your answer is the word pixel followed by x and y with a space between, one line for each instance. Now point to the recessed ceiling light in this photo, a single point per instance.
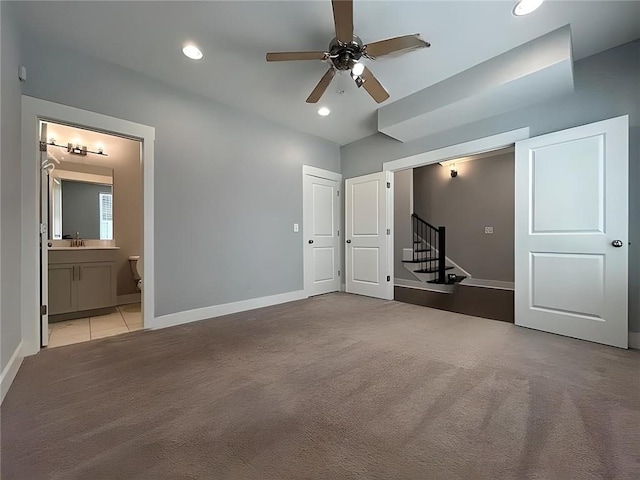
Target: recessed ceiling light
pixel 192 52
pixel 525 7
pixel 323 111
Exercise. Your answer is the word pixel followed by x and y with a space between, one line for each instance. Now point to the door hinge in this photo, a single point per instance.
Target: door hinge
pixel 43 228
pixel 338 272
pixel 388 278
pixel 388 231
pixel 338 192
pixel 43 309
pixel 43 146
pixel 338 232
pixel 388 184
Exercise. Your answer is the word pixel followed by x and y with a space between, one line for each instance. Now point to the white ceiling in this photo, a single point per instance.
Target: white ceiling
pixel 234 36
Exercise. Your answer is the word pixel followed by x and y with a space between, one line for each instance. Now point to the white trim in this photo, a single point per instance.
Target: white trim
pixel 634 340
pixel 10 371
pixel 82 177
pixel 225 309
pixel 428 287
pixel 466 149
pixel 320 173
pixel 483 283
pixel 128 298
pixel 34 110
pixel 327 175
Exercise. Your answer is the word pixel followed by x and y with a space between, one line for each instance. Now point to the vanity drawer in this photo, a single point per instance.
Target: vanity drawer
pixel 82 255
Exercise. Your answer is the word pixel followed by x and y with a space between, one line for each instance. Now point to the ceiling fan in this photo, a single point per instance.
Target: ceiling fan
pixel 346 50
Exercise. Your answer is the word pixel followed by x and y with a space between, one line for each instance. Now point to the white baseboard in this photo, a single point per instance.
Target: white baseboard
pixel 634 340
pixel 10 371
pixel 417 285
pixel 480 282
pixel 129 298
pixel 225 309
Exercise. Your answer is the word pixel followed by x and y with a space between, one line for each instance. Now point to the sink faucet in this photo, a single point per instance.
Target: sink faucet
pixel 77 242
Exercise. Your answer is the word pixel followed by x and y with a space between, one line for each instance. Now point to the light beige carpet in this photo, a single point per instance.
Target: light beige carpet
pixel 335 387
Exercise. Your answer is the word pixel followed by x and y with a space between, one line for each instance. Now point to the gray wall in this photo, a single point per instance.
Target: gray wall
pixel 228 185
pixel 402 210
pixel 81 208
pixel 482 195
pixel 10 119
pixel 606 85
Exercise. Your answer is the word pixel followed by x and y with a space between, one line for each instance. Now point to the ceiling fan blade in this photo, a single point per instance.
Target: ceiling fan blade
pixel 343 19
pixel 289 56
pixel 373 86
pixel 322 86
pixel 396 45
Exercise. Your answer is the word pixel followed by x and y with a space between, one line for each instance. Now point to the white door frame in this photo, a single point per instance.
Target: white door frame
pixel 466 149
pixel 326 174
pixel 33 111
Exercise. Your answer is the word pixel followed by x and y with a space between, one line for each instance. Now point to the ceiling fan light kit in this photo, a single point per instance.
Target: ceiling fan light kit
pixel 346 50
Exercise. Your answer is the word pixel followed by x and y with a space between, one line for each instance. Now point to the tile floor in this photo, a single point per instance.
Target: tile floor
pixel 126 318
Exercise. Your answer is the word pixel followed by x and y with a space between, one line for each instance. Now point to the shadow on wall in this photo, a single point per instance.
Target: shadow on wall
pixel 479 200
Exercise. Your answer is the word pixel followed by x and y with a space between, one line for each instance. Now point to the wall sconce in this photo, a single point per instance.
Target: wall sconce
pixel 453 170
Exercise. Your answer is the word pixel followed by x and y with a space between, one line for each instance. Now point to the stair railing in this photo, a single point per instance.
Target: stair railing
pixel 434 239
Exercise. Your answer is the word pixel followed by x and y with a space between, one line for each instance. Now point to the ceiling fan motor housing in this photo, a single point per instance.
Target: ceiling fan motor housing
pixel 344 55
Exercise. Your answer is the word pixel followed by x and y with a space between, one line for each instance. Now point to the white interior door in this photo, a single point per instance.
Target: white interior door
pixel 44 234
pixel 368 236
pixel 571 235
pixel 321 225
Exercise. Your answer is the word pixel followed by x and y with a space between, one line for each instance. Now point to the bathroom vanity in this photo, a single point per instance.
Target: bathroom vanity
pixel 81 278
pixel 82 257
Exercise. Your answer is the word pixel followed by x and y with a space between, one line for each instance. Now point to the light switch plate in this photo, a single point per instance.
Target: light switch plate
pixel 488 229
pixel 296 227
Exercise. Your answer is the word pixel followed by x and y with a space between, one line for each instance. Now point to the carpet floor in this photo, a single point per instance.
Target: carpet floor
pixel 334 387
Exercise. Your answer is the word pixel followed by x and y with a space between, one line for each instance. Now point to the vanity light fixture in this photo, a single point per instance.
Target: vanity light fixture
pixel 77 149
pixel 525 7
pixel 453 170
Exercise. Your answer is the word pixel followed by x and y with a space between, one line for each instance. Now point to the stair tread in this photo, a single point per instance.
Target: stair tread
pixel 420 260
pixel 432 270
pixel 458 279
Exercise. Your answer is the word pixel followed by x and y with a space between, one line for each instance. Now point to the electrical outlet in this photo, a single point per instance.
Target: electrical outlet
pixel 296 227
pixel 488 229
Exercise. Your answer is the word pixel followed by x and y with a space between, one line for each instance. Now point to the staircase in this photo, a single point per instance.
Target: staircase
pixel 427 260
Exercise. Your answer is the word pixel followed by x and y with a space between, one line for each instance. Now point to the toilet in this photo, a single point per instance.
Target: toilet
pixel 135 262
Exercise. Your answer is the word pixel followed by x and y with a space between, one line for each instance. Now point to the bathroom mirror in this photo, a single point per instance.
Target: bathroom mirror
pixel 81 202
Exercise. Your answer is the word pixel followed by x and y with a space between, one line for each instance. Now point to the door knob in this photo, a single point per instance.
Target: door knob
pixel 348 241
pixel 310 241
pixel 617 243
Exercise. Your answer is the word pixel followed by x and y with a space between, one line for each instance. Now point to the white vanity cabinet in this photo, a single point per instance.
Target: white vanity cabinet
pixel 81 279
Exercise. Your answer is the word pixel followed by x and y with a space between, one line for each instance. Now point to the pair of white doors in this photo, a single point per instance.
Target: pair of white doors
pixel 571 233
pixel 367 236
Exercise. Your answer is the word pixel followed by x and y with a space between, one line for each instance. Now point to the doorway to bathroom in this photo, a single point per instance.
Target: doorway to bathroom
pixel 35 114
pixel 91 203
